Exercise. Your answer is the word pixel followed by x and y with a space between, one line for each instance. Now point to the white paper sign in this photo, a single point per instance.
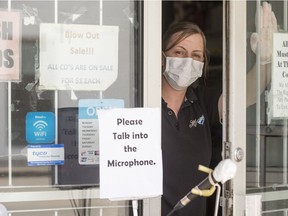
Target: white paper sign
pixel 130 153
pixel 78 57
pixel 10 45
pixel 279 88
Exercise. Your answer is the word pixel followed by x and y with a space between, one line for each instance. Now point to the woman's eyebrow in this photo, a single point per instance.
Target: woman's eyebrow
pixel 179 46
pixel 194 51
pixel 198 51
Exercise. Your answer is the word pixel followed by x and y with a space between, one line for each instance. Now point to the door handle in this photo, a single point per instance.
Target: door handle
pixel 238 154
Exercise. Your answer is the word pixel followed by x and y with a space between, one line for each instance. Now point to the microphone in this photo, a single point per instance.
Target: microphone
pixel 223 172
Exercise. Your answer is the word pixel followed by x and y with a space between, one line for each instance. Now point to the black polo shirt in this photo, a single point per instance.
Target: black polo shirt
pixel 186 143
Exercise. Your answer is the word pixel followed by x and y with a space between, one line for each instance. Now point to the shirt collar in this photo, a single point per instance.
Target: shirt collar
pixel 189 97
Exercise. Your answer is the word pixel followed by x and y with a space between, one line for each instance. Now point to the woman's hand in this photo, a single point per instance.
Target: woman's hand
pixel 263 40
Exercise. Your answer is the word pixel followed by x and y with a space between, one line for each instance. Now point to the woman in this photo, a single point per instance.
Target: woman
pixel 188 113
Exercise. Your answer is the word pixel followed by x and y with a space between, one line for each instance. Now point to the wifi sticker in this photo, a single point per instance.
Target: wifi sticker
pixel 40 127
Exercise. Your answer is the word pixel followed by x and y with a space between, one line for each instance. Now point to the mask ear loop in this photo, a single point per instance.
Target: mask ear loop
pixel 164 57
pixel 206 64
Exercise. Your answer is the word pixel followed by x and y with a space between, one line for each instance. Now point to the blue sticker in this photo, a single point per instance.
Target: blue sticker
pixel 40 127
pixel 88 107
pixel 88 127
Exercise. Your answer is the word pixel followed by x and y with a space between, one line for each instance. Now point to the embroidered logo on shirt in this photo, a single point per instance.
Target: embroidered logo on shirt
pixel 201 120
pixel 195 122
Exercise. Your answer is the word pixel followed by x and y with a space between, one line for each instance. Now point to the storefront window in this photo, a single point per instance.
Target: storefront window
pixel 67 55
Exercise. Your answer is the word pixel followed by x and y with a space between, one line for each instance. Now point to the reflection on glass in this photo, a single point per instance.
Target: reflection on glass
pixel 266 136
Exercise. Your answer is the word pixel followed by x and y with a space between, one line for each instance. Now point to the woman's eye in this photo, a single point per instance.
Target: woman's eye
pixel 198 57
pixel 179 53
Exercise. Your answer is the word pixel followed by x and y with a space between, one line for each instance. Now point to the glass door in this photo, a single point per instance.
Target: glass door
pixel 255 121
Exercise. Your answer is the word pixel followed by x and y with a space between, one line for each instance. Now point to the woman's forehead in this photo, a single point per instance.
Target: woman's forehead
pixel 191 41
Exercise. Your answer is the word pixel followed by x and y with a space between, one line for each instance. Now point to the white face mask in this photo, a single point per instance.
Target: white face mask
pixel 182 72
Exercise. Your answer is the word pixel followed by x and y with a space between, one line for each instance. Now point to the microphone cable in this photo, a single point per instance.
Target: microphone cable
pixel 176 208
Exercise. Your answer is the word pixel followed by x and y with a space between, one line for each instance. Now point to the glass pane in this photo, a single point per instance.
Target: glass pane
pixel 266 124
pixel 36 105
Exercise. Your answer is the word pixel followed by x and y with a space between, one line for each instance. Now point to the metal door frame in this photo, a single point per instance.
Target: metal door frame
pixel 234 99
pixel 152 74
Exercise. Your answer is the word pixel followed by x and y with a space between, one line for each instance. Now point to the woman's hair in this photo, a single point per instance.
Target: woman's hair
pixel 185 29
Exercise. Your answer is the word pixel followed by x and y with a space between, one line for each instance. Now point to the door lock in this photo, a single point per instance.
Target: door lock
pixel 238 154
